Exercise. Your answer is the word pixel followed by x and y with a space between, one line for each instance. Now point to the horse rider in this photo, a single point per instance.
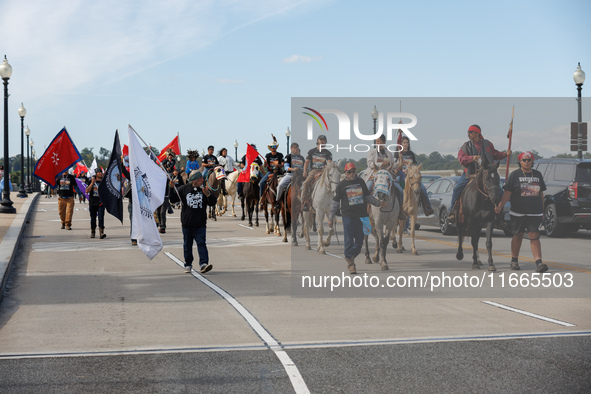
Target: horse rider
pixel 316 160
pixel 209 162
pixel 192 163
pixel 243 164
pixel 378 159
pixel 273 161
pixel 525 188
pixel 293 162
pixel 476 152
pixel 405 158
pixel 228 163
pixel 352 196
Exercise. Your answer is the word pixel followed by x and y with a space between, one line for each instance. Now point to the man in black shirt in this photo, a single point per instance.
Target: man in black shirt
pixel 195 200
pixel 352 196
pixel 65 184
pixel 96 206
pixel 316 160
pixel 273 161
pixel 525 188
pixel 209 161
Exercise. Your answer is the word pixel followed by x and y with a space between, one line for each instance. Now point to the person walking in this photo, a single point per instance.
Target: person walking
pixel 525 189
pixel 194 198
pixel 96 206
pixel 65 204
pixel 352 197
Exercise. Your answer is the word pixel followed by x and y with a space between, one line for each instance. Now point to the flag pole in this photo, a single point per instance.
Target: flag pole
pixel 510 136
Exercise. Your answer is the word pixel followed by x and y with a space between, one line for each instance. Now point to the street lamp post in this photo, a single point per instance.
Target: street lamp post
pixel 22 112
pixel 579 77
pixel 34 158
pixel 29 145
pixel 236 150
pixel 374 116
pixel 288 134
pixel 6 204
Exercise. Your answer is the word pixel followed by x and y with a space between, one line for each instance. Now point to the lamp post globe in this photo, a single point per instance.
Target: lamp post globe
pixel 28 133
pixel 579 78
pixel 6 205
pixel 236 150
pixel 288 134
pixel 374 116
pixel 22 112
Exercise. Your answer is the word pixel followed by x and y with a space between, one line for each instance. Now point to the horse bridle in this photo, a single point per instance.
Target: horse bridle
pixel 209 186
pixel 486 189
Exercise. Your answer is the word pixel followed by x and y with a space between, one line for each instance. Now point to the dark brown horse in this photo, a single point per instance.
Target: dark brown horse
pixel 477 204
pixel 270 197
pixel 250 195
pixel 214 181
pixel 291 206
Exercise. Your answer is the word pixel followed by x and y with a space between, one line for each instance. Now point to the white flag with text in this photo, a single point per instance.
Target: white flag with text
pixel 148 186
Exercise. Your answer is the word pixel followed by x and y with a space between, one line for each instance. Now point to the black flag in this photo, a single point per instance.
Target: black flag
pixel 110 189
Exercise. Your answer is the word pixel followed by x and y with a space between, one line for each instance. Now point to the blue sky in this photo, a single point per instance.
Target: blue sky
pixel 219 71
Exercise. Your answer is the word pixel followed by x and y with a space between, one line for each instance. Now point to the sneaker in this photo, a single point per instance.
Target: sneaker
pixel 162 231
pixel 541 267
pixel 63 226
pixel 515 266
pixel 133 242
pixel 188 269
pixel 205 268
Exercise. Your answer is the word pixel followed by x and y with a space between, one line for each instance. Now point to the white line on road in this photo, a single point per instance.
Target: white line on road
pixel 526 313
pixel 292 371
pixel 242 225
pixel 334 255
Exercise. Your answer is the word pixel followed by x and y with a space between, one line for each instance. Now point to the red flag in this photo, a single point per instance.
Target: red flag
pixel 251 155
pixel 174 144
pixel 80 168
pixel 125 150
pixel 57 158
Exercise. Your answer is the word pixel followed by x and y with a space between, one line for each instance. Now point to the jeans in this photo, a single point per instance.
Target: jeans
pixel 263 184
pixel 197 234
pixel 353 229
pixel 459 188
pixel 283 183
pixel 94 211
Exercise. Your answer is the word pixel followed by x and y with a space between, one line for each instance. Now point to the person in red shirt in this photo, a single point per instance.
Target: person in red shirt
pixel 475 153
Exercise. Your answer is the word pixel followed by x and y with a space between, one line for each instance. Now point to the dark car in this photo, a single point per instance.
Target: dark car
pixel 567 199
pixel 440 193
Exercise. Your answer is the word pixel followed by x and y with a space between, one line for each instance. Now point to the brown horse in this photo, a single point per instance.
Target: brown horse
pixel 410 206
pixel 214 180
pixel 270 197
pixel 291 206
pixel 250 195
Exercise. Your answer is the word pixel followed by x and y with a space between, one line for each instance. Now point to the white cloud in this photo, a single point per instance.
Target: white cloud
pixel 300 59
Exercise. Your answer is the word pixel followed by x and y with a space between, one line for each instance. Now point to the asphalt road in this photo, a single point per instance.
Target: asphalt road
pixel 90 315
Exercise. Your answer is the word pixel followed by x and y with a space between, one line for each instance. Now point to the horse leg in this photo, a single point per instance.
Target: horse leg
pixel 413 220
pixel 367 258
pixel 460 252
pixel 489 231
pixel 330 231
pixel 242 205
pixel 267 229
pixel 306 220
pixel 233 200
pixel 401 224
pixel 475 235
pixel 320 228
pixel 256 211
pixel 383 238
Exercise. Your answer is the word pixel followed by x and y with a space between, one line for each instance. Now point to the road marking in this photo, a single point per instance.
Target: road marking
pixel 242 225
pixel 526 313
pixel 292 371
pixel 334 255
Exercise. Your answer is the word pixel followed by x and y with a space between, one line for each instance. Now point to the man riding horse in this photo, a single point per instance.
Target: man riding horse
pixel 476 152
pixel 316 160
pixel 273 162
pixel 293 162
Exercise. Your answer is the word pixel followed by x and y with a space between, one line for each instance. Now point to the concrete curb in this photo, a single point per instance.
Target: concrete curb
pixel 11 241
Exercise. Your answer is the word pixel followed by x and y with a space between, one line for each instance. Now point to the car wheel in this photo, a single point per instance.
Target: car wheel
pixel 443 224
pixel 553 229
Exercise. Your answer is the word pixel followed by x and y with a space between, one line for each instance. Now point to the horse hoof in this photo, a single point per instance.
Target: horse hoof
pixel 243 218
pixel 415 253
pixel 399 250
pixel 479 262
pixel 256 224
pixel 394 245
pixel 460 256
pixel 492 268
pixel 308 247
pixel 368 260
pixel 384 267
pixel 284 240
pixel 376 259
pixel 268 232
pixel 234 215
pixel 249 224
pixel 475 266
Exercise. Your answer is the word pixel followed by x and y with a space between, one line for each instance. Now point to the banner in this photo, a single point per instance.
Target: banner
pixel 251 155
pixel 148 185
pixel 110 189
pixel 174 144
pixel 82 187
pixel 57 158
pixel 80 168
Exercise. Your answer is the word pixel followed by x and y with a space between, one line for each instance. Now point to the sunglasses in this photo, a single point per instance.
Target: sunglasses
pixel 350 172
pixel 526 160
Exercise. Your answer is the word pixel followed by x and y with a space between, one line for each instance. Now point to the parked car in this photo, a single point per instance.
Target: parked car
pixel 428 179
pixel 567 199
pixel 440 193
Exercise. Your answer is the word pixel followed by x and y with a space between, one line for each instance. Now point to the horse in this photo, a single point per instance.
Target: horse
pixel 250 195
pixel 322 195
pixel 477 206
pixel 291 206
pixel 214 181
pixel 383 220
pixel 410 205
pixel 269 197
pixel 231 186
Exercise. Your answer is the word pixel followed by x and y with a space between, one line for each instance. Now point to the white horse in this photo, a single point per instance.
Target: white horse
pixel 322 195
pixel 383 220
pixel 231 185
